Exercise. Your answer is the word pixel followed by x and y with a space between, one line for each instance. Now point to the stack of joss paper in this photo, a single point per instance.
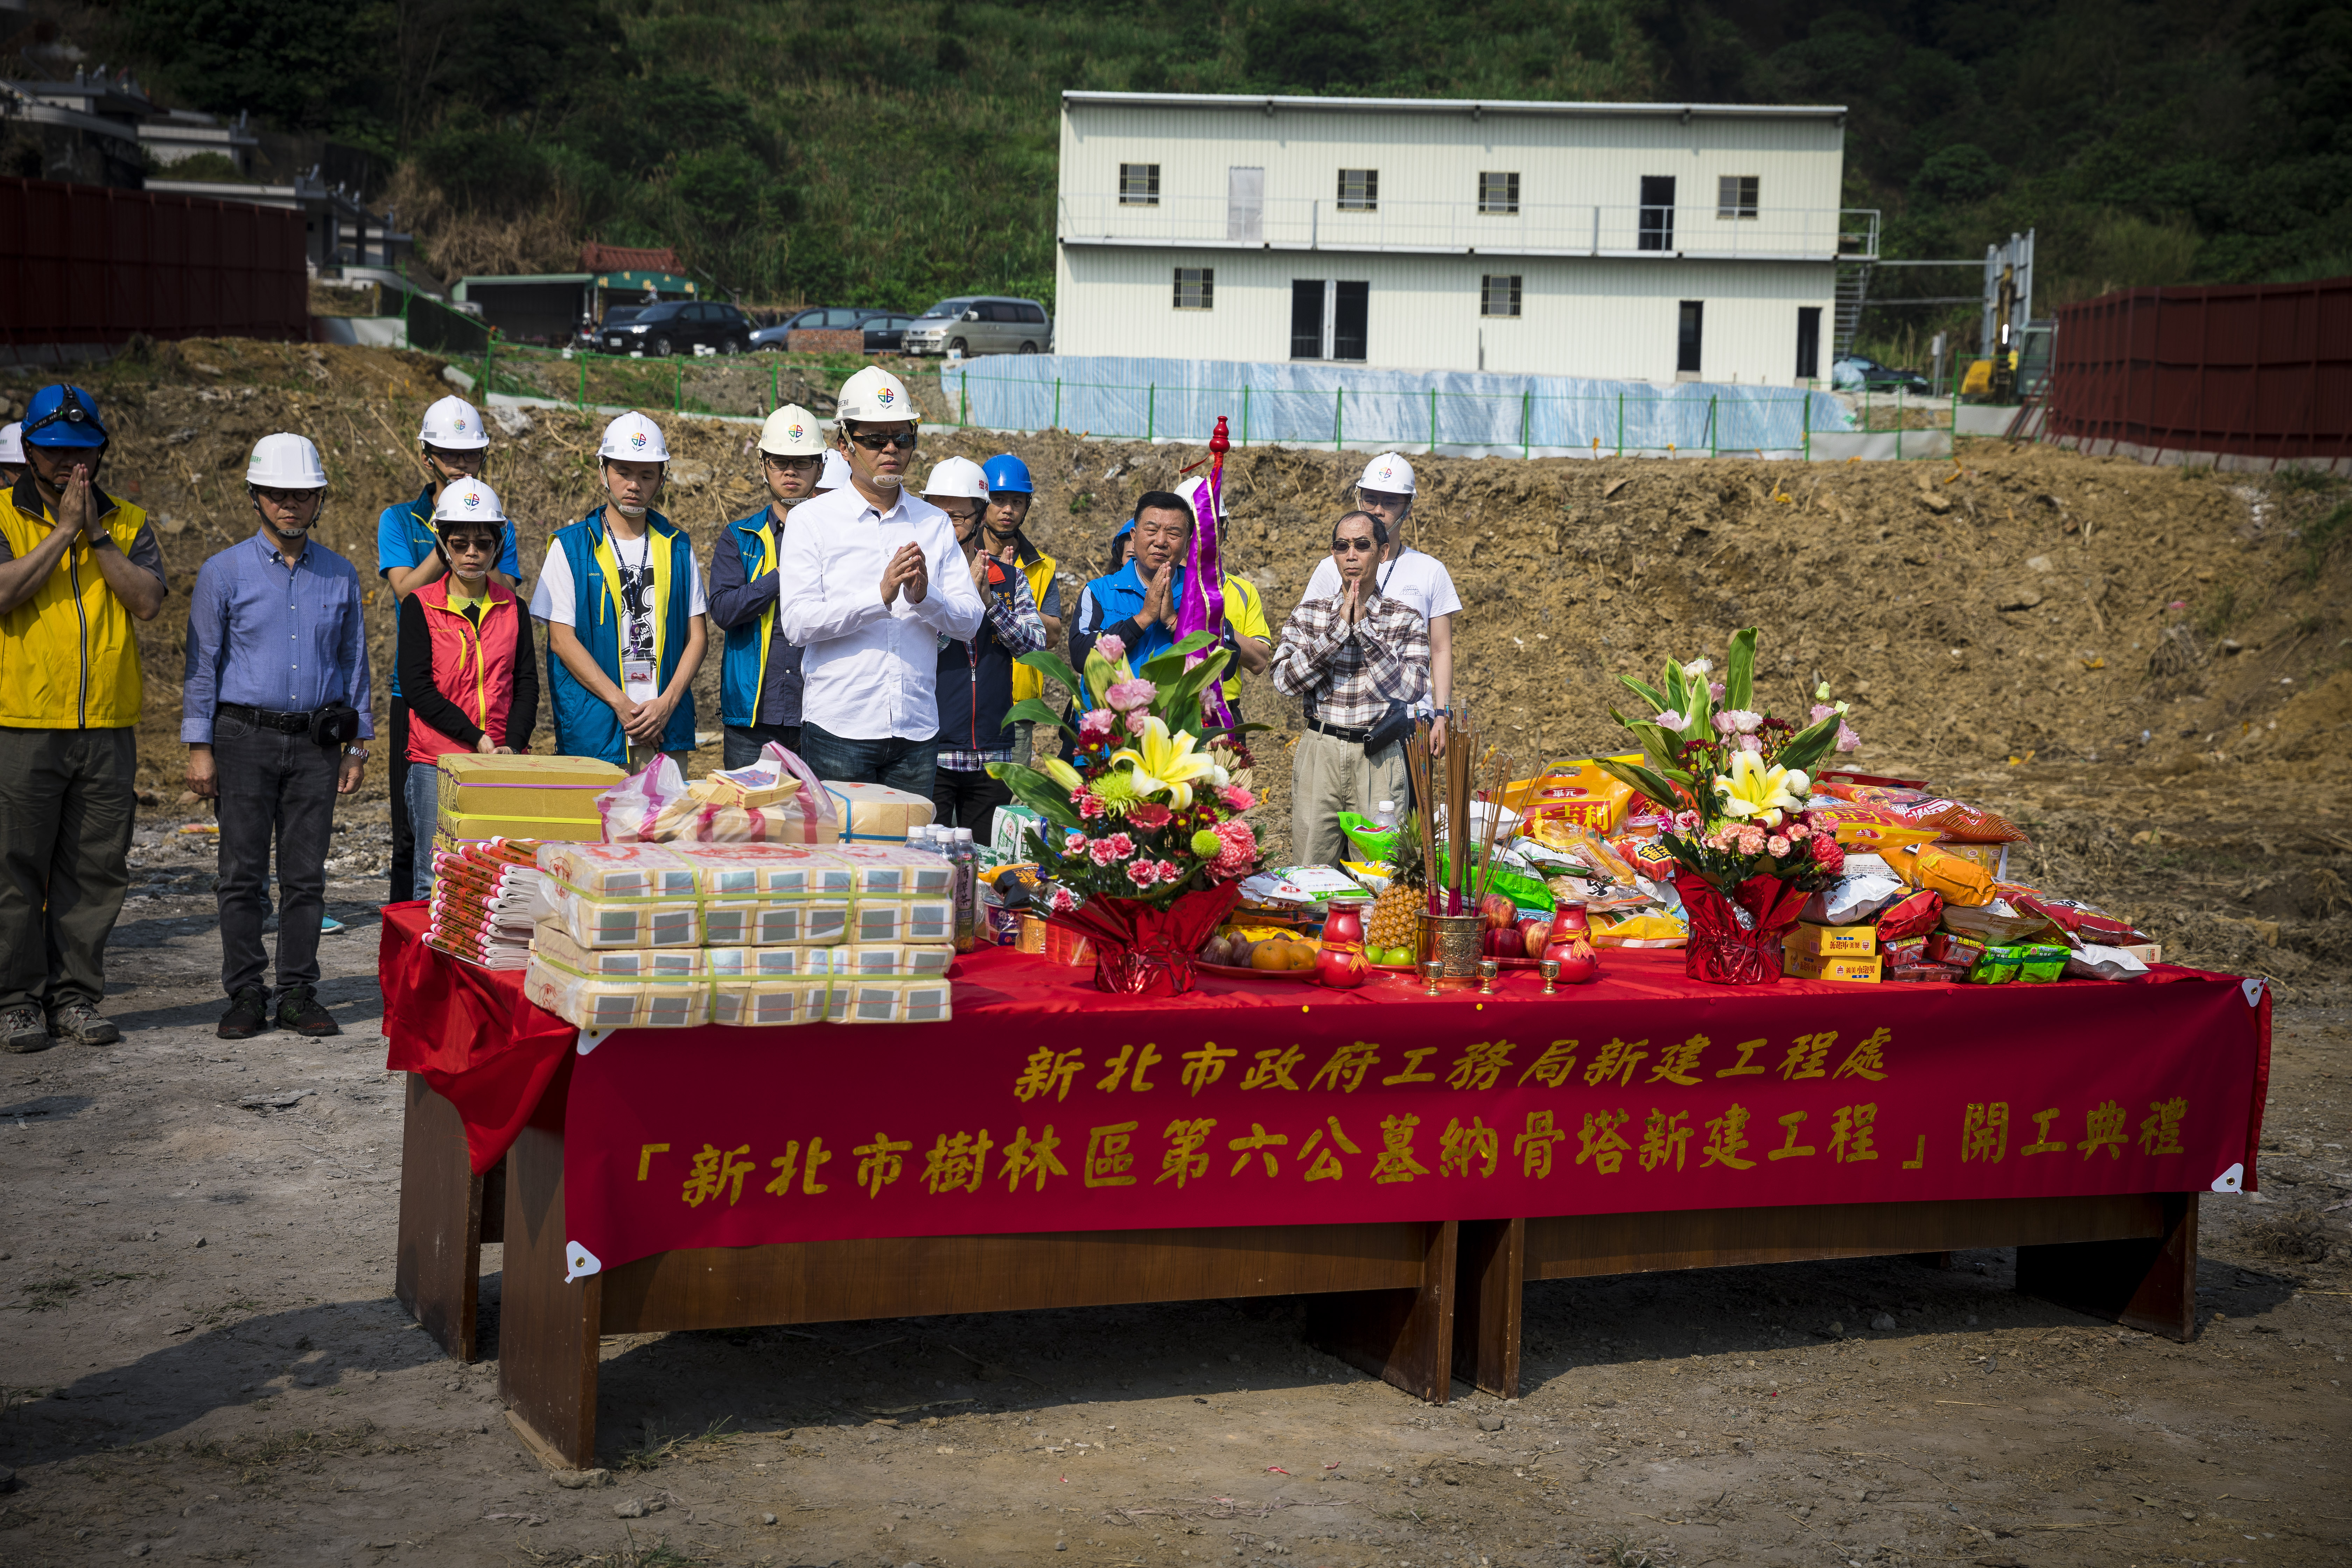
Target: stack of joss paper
pixel 486 897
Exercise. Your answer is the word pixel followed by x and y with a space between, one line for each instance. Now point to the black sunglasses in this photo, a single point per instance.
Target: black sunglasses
pixel 874 440
pixel 1352 547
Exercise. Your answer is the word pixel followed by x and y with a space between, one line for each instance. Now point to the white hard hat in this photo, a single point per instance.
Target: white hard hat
pixel 286 462
pixel 1191 490
pixel 469 499
pixel 453 424
pixel 634 438
pixel 791 432
pixel 11 442
pixel 874 397
pixel 957 477
pixel 836 471
pixel 1389 474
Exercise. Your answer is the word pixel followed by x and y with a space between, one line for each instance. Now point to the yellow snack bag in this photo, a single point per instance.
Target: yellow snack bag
pixel 1961 882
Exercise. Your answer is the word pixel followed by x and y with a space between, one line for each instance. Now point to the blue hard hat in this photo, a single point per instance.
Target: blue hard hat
pixel 1007 472
pixel 63 415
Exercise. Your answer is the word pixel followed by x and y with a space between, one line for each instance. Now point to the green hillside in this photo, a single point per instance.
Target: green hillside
pixel 889 155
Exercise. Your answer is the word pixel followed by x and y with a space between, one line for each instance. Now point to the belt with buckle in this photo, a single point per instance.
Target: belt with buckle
pixel 284 723
pixel 1340 731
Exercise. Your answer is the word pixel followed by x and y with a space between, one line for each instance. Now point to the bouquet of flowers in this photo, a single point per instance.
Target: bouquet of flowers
pixel 1735 780
pixel 1145 839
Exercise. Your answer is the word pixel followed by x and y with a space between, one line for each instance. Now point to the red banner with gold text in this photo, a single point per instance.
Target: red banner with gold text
pixel 1046 1106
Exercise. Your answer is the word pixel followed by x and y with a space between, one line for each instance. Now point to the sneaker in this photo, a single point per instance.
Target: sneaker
pixel 247 1014
pixel 22 1031
pixel 299 1010
pixel 81 1022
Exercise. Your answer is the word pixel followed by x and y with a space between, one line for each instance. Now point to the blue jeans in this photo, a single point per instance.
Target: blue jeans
pixel 909 765
pixel 744 744
pixel 424 792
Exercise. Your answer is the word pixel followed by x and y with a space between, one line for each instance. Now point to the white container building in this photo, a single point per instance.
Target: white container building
pixel 1650 242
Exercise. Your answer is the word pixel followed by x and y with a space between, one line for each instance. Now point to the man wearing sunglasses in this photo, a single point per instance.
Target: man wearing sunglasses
pixel 1419 578
pixel 760 674
pixel 874 581
pixel 452 444
pixel 1359 663
pixel 78 569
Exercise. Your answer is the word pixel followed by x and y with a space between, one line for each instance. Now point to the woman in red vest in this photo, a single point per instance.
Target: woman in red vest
pixel 466 667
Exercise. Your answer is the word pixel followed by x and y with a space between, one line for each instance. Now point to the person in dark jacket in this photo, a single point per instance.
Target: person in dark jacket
pixel 975 679
pixel 466 660
pixel 760 674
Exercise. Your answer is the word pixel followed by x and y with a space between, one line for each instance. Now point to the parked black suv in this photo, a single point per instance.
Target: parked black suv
pixel 678 326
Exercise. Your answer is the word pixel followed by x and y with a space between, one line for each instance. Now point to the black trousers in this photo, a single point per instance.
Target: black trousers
pixel 404 832
pixel 277 790
pixel 743 743
pixel 959 799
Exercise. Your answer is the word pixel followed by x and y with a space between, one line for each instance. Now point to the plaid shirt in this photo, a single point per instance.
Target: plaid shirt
pixel 1349 675
pixel 1012 617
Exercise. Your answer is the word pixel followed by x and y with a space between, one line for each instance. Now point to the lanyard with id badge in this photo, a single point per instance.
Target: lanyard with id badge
pixel 640 675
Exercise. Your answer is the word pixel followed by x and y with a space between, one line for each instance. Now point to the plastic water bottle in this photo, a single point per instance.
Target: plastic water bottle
pixel 1384 816
pixel 967 863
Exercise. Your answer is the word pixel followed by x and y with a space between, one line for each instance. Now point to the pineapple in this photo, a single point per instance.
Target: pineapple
pixel 1393 923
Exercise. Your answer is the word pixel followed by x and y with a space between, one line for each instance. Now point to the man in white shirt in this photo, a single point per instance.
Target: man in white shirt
pixel 874 583
pixel 1421 580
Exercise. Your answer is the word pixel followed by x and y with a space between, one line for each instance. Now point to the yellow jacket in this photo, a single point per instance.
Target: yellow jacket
pixel 69 655
pixel 1027 682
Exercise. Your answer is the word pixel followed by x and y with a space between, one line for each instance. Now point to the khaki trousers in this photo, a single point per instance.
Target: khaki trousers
pixel 1327 776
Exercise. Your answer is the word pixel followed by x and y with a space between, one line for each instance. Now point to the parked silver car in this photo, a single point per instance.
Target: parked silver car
pixel 982 324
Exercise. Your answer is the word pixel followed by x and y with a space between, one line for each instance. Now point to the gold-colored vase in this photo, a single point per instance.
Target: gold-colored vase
pixel 1451 941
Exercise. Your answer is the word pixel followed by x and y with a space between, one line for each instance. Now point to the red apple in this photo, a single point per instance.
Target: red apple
pixel 1533 935
pixel 1497 911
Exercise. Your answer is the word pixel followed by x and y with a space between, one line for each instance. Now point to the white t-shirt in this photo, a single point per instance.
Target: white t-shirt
pixel 1418 578
pixel 555 598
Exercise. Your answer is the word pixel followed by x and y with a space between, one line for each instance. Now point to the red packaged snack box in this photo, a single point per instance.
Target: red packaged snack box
pixel 1913 917
pixel 1913 974
pixel 1954 948
pixel 2080 920
pixel 1917 808
pixel 1901 954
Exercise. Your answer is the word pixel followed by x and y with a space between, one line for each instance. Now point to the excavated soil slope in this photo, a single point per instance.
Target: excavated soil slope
pixel 2147 667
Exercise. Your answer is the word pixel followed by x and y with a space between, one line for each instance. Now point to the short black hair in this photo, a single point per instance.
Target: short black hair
pixel 1161 500
pixel 1379 529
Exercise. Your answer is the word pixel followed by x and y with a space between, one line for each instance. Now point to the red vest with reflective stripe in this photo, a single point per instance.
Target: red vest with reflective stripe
pixel 472 667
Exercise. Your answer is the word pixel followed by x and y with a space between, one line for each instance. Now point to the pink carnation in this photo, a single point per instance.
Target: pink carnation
pixel 1142 873
pixel 1121 845
pixel 1798 832
pixel 1097 726
pixel 1240 851
pixel 1148 815
pixel 1100 852
pixel 1073 842
pixel 1089 807
pixel 1752 839
pixel 1128 696
pixel 1236 798
pixel 1113 648
pixel 1829 854
pixel 1064 901
pixel 1777 844
pixel 1685 822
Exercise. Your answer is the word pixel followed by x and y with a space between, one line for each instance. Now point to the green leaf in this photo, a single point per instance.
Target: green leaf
pixel 1645 781
pixel 1658 704
pixel 1809 745
pixel 1037 709
pixel 1184 694
pixel 1054 667
pixel 1739 672
pixel 1034 790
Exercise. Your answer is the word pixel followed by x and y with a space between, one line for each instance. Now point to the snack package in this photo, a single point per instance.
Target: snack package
pixel 1654 929
pixel 2095 961
pixel 1913 916
pixel 1924 866
pixel 593 1003
pixel 1999 966
pixel 654 806
pixel 1917 808
pixel 1910 950
pixel 1951 947
pixel 1851 968
pixel 775 778
pixel 893 871
pixel 1868 826
pixel 2041 964
pixel 619 870
pixel 2079 920
pixel 1993 857
pixel 551 942
pixel 876 814
pixel 1923 973
pixel 1831 942
pixel 1574 792
pixel 1993 923
pixel 1851 899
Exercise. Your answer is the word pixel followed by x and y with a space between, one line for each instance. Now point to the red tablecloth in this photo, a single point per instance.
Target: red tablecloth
pixel 1045 1105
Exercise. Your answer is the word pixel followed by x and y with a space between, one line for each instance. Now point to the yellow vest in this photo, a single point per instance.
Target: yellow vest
pixel 69 655
pixel 1027 682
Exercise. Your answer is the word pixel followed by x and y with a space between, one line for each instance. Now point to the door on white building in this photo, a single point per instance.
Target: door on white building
pixel 1657 230
pixel 1307 328
pixel 1244 204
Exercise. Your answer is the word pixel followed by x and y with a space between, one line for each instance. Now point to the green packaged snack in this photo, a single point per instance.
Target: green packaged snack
pixel 1999 966
pixel 2040 965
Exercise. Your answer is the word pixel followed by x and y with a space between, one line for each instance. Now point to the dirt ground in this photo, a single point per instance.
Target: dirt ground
pixel 201 1358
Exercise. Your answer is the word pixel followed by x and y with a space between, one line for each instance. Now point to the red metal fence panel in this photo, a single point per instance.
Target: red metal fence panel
pixel 93 264
pixel 2259 369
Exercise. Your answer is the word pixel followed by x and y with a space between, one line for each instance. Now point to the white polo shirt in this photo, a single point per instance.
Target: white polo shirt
pixel 1417 577
pixel 870 672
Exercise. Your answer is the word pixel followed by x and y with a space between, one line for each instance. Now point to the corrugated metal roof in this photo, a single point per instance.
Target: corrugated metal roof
pixel 1446 105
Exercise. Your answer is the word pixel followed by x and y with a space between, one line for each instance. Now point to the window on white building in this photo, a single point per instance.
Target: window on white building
pixel 1359 190
pixel 1196 288
pixel 1498 193
pixel 1139 185
pixel 1734 195
pixel 1499 295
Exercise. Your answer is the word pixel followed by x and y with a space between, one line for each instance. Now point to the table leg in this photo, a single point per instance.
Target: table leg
pixel 1404 1337
pixel 1492 1266
pixel 547 1329
pixel 437 1262
pixel 2144 1283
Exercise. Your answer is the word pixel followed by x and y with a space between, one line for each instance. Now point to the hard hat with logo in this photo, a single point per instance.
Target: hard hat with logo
pixel 634 438
pixel 1007 472
pixel 961 477
pixel 1388 474
pixel 467 500
pixel 12 444
pixel 286 462
pixel 874 397
pixel 63 415
pixel 453 424
pixel 791 432
pixel 837 472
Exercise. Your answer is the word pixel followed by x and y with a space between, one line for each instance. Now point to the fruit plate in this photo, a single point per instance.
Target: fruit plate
pixel 1243 972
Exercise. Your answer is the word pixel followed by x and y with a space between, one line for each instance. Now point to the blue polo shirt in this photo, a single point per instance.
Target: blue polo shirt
pixel 404 538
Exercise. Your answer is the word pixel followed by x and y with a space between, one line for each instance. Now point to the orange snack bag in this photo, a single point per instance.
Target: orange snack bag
pixel 1961 882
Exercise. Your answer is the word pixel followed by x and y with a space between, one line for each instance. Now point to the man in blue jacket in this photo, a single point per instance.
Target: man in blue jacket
pixel 760 674
pixel 622 600
pixel 454 444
